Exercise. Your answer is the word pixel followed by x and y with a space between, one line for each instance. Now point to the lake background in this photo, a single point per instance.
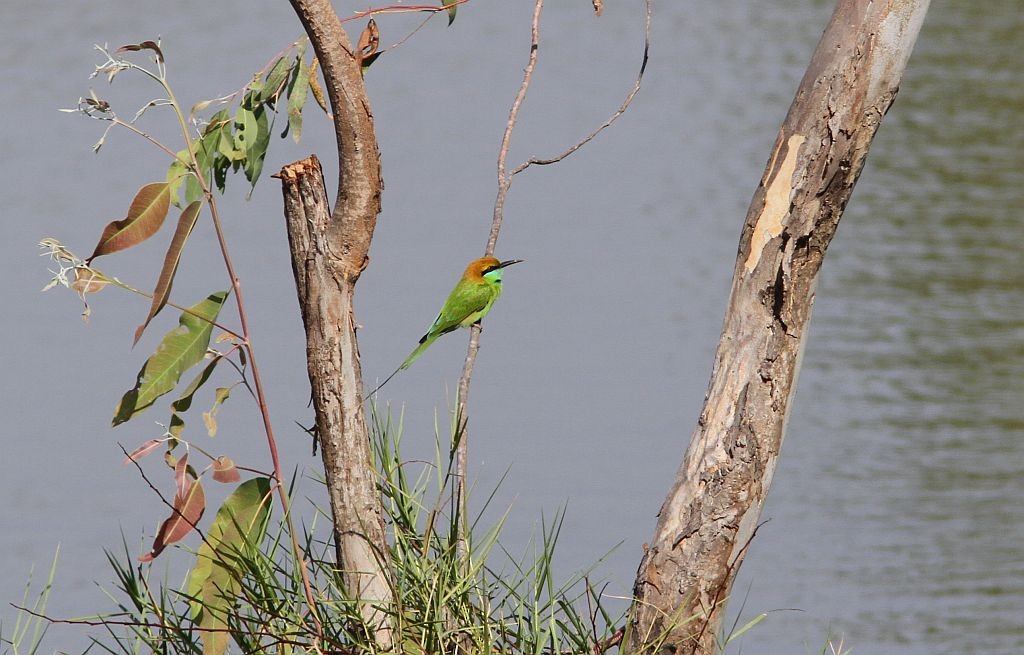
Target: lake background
pixel 894 518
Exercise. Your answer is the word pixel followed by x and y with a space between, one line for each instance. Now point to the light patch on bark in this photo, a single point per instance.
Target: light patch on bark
pixel 776 203
pixel 903 22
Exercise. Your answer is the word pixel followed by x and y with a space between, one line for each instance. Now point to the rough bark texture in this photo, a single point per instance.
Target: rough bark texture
pixel 713 507
pixel 329 252
pixel 325 295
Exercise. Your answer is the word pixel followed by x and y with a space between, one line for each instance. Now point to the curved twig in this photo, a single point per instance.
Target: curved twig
pixel 540 161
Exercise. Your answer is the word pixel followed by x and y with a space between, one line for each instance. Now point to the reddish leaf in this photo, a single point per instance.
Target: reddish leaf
pixel 188 510
pixel 145 216
pixel 224 470
pixel 369 40
pixel 145 45
pixel 163 283
pixel 143 450
pixel 88 281
pixel 182 483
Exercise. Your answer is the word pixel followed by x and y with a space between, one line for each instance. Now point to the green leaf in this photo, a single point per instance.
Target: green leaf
pixel 145 216
pixel 215 581
pixel 256 147
pixel 226 144
pixel 181 349
pixel 176 173
pixel 193 190
pixel 218 121
pixel 206 150
pixel 276 79
pixel 452 8
pixel 245 130
pixel 297 98
pixel 185 400
pixel 186 222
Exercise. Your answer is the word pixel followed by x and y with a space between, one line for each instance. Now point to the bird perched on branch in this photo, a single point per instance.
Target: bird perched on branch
pixel 467 304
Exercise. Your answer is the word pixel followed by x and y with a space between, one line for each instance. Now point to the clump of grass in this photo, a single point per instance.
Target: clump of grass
pixel 449 599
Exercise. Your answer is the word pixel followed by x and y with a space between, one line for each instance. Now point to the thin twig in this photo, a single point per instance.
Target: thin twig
pixel 541 161
pixel 402 9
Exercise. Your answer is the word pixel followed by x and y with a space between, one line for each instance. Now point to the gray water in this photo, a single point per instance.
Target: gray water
pixel 894 518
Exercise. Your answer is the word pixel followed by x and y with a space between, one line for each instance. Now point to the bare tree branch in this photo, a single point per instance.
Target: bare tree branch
pixel 619 112
pixel 329 252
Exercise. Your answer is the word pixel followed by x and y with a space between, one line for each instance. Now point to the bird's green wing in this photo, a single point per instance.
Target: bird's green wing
pixel 463 307
pixel 467 303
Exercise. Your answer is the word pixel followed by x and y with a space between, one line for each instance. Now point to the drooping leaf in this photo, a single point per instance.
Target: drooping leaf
pixel 210 417
pixel 366 51
pixel 181 349
pixel 297 97
pixel 193 189
pixel 188 509
pixel 256 146
pixel 275 80
pixel 314 86
pixel 176 174
pixel 176 427
pixel 214 583
pixel 145 45
pixel 452 8
pixel 145 216
pixel 226 143
pixel 186 222
pixel 224 470
pixel 143 450
pixel 185 400
pixel 182 482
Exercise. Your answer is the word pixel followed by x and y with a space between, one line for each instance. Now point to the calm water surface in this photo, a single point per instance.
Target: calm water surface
pixel 895 516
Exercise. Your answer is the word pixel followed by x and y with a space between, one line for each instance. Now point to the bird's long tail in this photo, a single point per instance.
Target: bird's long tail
pixel 413 356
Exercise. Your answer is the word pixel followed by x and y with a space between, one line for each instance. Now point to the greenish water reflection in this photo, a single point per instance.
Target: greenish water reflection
pixel 914 374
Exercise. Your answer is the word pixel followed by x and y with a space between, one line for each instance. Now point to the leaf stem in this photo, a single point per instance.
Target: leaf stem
pixel 261 399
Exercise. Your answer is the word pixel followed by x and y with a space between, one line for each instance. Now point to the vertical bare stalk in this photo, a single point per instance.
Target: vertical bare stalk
pixel 504 182
pixel 714 505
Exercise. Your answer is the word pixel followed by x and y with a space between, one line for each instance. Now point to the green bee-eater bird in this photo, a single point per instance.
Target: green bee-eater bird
pixel 467 304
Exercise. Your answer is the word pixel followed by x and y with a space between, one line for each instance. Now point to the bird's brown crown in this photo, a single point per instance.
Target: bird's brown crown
pixel 477 267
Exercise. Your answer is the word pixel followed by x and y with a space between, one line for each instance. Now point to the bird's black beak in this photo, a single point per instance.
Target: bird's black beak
pixel 509 263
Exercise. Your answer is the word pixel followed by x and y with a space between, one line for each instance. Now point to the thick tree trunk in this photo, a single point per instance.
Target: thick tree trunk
pixel 712 510
pixel 329 252
pixel 332 354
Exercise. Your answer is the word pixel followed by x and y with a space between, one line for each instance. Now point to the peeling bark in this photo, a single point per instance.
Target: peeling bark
pixel 711 513
pixel 332 355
